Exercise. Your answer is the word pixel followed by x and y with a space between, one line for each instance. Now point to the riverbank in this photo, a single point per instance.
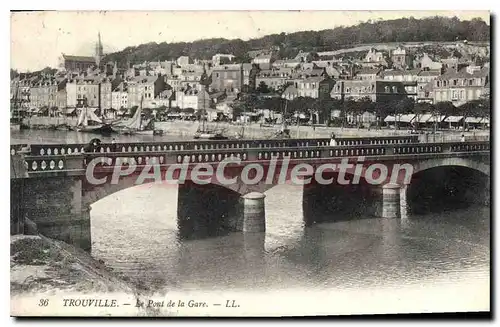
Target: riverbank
pixel 45 269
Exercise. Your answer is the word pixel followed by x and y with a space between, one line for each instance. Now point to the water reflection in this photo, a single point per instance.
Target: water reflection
pixel 135 232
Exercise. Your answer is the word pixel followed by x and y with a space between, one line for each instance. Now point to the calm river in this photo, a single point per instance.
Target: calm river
pixel 135 232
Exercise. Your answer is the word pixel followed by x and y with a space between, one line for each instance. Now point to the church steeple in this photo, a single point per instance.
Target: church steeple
pixel 98 50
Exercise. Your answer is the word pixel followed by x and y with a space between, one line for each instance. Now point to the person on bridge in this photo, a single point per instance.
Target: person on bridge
pixel 93 145
pixel 462 138
pixel 113 145
pixel 333 142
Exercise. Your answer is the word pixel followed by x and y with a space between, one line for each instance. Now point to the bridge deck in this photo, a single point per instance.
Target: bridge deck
pixel 56 149
pixel 77 161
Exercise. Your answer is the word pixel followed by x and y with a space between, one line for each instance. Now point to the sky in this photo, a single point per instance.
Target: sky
pixel 39 38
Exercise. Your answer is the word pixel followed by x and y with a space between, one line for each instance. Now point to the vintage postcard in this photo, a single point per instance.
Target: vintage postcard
pixel 256 163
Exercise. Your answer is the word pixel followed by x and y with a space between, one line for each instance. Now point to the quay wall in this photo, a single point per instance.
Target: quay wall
pixel 256 131
pixel 49 121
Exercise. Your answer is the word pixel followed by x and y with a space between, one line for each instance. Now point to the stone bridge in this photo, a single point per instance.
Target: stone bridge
pixel 53 186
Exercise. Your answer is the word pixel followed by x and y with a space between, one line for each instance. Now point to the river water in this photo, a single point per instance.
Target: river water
pixel 135 232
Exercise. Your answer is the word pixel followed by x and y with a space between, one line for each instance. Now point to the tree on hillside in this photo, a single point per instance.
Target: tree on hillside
pixel 262 88
pixel 398 30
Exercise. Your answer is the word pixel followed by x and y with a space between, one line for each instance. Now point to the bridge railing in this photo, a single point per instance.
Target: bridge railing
pixel 63 149
pixel 77 162
pixel 16 148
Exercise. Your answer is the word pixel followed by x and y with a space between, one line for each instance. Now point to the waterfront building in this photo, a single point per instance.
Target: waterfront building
pixel 192 98
pixel 84 87
pixel 119 96
pixel 108 84
pixel 376 91
pixel 425 83
pixel 290 93
pixel 315 87
pixel 227 78
pixel 469 83
pixel 48 93
pixel 274 78
pixel 146 88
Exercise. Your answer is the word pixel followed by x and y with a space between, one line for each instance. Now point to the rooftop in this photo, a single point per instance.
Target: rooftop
pixel 463 73
pixel 79 58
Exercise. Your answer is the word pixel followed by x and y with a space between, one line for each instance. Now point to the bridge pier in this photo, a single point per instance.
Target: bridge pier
pixel 391 203
pixel 53 208
pixel 254 212
pixel 206 210
pixel 404 208
pixel 487 193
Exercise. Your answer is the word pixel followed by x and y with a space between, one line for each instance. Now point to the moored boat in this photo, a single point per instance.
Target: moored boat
pixel 89 122
pixel 135 125
pixel 210 135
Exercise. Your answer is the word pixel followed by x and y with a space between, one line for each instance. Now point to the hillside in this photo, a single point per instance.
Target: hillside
pixel 440 29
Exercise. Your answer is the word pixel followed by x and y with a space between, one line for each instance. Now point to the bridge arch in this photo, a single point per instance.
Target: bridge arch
pixel 443 162
pixel 447 184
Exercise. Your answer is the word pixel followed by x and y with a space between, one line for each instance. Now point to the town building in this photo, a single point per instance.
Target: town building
pixel 264 60
pixel 76 63
pixel 274 78
pixel 450 63
pixel 119 96
pixel 469 83
pixel 250 72
pixel 183 61
pixel 222 59
pixel 376 91
pixel 48 92
pixel 368 73
pixel 83 87
pixel 82 63
pixel 400 75
pixel 426 62
pixel 290 93
pixel 425 83
pixel 374 59
pixel 315 87
pixel 108 84
pixel 145 88
pixel 227 78
pixel 400 58
pixel 286 63
pixel 191 99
